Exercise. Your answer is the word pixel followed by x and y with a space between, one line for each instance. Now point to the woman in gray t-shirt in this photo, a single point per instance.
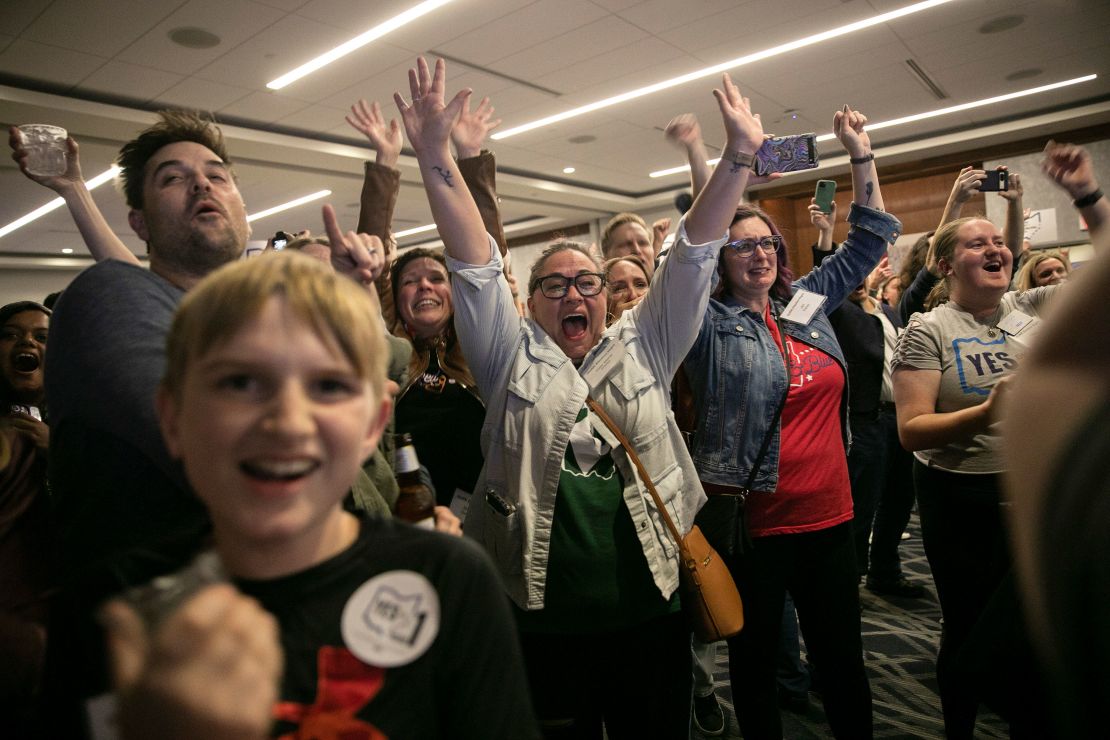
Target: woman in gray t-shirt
pixel 950 368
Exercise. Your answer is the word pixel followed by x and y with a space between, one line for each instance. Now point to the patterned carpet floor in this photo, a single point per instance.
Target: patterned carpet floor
pixel 900 639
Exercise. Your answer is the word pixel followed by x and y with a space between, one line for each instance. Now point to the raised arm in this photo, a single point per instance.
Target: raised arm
pixel 684 131
pixel 428 123
pixel 710 215
pixel 1069 166
pixel 1014 231
pixel 382 180
pixel 102 242
pixel 477 166
pixel 966 185
pixel 823 222
pixel 848 125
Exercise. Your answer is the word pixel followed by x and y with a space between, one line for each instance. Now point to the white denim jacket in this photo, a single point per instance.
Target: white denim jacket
pixel 533 396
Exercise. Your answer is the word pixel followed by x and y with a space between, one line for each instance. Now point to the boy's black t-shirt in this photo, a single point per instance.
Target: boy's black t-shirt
pixel 436 606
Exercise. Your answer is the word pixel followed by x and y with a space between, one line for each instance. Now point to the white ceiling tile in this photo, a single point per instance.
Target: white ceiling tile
pixel 592 41
pixel 47 63
pixel 287 5
pixel 521 30
pixel 315 118
pixel 101 27
pixel 451 21
pixel 199 94
pixel 263 107
pixel 234 22
pixel 16 16
pixel 659 16
pixel 357 16
pixel 129 81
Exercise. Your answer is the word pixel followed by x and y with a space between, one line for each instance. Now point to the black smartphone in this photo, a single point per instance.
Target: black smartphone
pixel 823 194
pixel 786 154
pixel 996 180
pixel 280 240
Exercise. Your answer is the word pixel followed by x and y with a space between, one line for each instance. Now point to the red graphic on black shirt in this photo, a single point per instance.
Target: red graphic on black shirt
pixel 344 685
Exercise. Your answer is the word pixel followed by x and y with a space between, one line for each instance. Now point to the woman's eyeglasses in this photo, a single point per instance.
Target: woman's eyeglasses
pixel 556 286
pixel 746 247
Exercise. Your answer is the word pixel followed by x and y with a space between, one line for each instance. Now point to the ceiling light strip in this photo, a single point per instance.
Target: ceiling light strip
pixel 291 204
pixel 722 67
pixel 357 42
pixel 416 230
pixel 922 116
pixel 92 184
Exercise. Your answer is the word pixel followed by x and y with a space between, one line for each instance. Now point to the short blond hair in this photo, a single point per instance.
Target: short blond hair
pixel 340 312
pixel 615 223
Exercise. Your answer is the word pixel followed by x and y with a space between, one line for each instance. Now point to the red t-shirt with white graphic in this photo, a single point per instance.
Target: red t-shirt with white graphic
pixel 813 491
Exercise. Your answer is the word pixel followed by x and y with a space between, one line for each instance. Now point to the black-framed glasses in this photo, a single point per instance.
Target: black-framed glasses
pixel 556 285
pixel 746 247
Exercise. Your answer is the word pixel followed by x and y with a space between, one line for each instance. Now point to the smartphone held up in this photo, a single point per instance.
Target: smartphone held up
pixel 786 154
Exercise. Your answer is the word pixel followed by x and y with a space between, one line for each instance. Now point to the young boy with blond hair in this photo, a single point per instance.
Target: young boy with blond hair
pixel 274 394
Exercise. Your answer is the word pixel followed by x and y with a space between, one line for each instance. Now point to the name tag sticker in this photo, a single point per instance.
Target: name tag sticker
pixel 802 306
pixel 603 364
pixel 1015 323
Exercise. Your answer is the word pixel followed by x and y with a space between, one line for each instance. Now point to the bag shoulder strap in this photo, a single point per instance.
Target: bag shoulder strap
pixel 608 421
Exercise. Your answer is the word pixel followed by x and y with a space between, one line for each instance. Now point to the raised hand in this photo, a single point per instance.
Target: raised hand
pixel 385 138
pixel 211 670
pixel 471 130
pixel 823 221
pixel 1014 189
pixel 848 126
pixel 743 129
pixel 684 131
pixel 966 185
pixel 1069 166
pixel 35 430
pixel 428 121
pixel 58 183
pixel 359 256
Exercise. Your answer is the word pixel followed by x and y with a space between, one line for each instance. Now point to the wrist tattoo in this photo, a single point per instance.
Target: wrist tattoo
pixel 869 189
pixel 446 175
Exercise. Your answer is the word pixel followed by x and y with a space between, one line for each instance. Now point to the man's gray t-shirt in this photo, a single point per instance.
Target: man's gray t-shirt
pixel 972 355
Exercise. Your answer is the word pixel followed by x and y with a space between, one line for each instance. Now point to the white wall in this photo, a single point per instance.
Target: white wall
pixel 22 284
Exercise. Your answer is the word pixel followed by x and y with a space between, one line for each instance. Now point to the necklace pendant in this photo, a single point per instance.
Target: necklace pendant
pixel 991 332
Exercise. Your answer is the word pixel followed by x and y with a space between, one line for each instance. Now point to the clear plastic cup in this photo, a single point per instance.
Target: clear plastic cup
pixel 46 147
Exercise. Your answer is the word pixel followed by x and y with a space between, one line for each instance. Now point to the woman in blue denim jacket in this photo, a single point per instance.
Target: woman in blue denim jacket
pixel 752 352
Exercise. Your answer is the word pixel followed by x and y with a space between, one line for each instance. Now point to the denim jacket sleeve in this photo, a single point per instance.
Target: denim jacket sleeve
pixel 838 275
pixel 667 319
pixel 486 320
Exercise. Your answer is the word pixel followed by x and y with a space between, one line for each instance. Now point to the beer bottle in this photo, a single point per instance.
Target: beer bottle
pixel 415 502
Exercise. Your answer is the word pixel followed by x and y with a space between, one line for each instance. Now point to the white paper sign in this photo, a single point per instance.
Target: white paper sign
pixel 1040 226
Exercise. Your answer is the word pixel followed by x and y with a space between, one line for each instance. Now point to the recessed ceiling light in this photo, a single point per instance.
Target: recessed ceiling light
pixel 41 211
pixel 1025 74
pixel 1002 23
pixel 722 67
pixel 568 170
pixel 194 38
pixel 291 204
pixel 357 42
pixel 67 250
pixel 922 116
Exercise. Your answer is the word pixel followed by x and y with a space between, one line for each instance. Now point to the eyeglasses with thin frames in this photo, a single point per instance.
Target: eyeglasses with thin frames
pixel 556 285
pixel 746 247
